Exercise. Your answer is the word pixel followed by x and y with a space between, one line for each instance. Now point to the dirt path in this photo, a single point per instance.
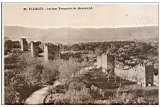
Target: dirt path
pixel 38 96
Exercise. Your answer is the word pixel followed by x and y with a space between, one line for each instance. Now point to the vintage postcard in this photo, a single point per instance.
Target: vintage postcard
pixel 80 53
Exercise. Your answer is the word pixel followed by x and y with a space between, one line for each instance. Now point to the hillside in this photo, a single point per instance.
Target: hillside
pixel 82 34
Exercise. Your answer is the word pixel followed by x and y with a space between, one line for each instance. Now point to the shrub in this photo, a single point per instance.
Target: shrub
pixel 10 93
pixel 69 69
pixel 28 75
pixel 50 72
pixel 79 96
pixel 41 73
pixel 76 94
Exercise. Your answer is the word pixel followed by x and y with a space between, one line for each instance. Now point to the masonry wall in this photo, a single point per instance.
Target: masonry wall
pixel 32 49
pixel 35 49
pixel 110 64
pixel 46 54
pixel 156 80
pixel 142 74
pixel 104 61
pixel 99 61
pixel 149 75
pixel 24 44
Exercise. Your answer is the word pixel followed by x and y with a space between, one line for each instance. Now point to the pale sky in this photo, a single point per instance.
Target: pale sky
pixel 99 15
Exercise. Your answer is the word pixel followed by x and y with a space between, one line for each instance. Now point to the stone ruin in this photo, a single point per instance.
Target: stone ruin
pixel 24 44
pixel 46 54
pixel 50 51
pixel 36 48
pixel 149 75
pixel 10 45
pixel 106 62
pixel 33 54
pixel 21 44
pixel 142 74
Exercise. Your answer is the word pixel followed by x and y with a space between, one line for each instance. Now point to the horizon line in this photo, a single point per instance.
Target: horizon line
pixel 77 27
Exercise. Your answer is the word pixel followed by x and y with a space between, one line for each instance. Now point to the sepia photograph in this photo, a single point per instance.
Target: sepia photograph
pixel 80 53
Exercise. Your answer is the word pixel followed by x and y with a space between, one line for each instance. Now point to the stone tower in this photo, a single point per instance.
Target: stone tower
pixel 107 62
pixel 99 61
pixel 149 75
pixel 24 44
pixel 32 49
pixel 46 56
pixel 110 64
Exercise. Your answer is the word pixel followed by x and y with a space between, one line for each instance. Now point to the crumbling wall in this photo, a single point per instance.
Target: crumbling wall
pixel 136 74
pixel 110 64
pixel 46 56
pixel 99 61
pixel 104 61
pixel 156 80
pixel 24 44
pixel 35 49
pixel 51 51
pixel 142 74
pixel 149 74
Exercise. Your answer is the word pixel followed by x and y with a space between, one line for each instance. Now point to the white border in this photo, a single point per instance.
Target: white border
pixel 80 1
pixel 76 1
